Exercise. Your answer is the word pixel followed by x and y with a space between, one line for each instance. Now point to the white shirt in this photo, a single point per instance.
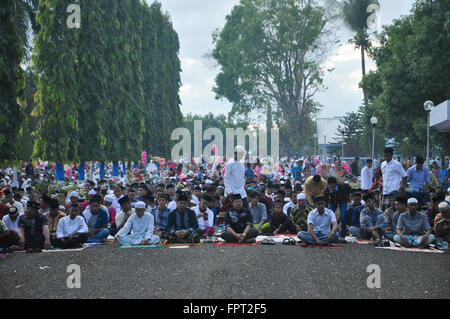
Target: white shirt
pixel 393 173
pixel 12 225
pixel 322 223
pixel 366 178
pixel 234 178
pixel 202 223
pixel 143 226
pixel 116 204
pixel 172 205
pixel 67 226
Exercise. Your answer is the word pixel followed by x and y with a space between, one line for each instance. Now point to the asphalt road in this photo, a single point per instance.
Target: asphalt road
pixel 226 272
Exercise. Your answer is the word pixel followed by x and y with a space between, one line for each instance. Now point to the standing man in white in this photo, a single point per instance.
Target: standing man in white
pixel 235 175
pixel 394 176
pixel 367 177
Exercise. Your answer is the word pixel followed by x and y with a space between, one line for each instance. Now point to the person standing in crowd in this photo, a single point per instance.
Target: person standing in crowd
pixel 393 176
pixel 234 175
pixel 337 196
pixel 443 176
pixel 418 176
pixel 355 166
pixel 367 177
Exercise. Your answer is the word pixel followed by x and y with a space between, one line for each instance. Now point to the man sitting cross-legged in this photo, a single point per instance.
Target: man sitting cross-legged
pixel 182 225
pixel 239 223
pixel 373 221
pixel 141 225
pixel 320 221
pixel 299 213
pixel 259 213
pixel 96 218
pixel 413 228
pixel 72 230
pixel 205 216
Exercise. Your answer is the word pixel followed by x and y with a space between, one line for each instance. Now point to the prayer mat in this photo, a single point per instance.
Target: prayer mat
pixel 287 235
pixel 146 246
pixel 56 250
pixel 363 241
pixel 398 247
pixel 237 244
pixel 92 244
pixel 184 244
pixel 331 246
pixel 277 239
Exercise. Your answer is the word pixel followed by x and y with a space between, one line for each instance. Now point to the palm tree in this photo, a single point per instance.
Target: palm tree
pixel 354 13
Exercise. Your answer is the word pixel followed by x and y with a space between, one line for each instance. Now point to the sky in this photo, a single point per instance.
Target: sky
pixel 196 20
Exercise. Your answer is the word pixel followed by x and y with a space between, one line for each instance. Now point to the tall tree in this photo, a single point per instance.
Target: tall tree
pixel 270 51
pixel 57 94
pixel 350 128
pixel 11 81
pixel 355 15
pixel 410 61
pixel 92 75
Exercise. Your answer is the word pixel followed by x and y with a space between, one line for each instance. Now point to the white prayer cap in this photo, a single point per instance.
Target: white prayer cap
pixel 413 200
pixel 140 205
pixel 301 196
pixel 92 192
pixel 208 181
pixel 109 198
pixel 74 194
pixel 448 189
pixel 239 149
pixel 444 207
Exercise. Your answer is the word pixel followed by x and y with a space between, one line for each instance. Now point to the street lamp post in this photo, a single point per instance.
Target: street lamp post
pixel 315 141
pixel 325 145
pixel 374 122
pixel 428 106
pixel 342 146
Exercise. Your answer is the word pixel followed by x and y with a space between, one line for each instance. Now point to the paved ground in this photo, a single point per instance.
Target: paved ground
pixel 227 272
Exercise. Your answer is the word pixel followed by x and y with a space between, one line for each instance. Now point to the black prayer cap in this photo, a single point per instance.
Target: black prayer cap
pixel 236 196
pixel 183 198
pixel 95 199
pixel 124 200
pixel 318 199
pixel 53 203
pixel 33 204
pixel 278 203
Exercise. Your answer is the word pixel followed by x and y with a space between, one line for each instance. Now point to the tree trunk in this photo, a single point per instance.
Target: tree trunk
pixel 363 66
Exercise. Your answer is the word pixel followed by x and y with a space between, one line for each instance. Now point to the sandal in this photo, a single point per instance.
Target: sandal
pixel 268 241
pixel 289 241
